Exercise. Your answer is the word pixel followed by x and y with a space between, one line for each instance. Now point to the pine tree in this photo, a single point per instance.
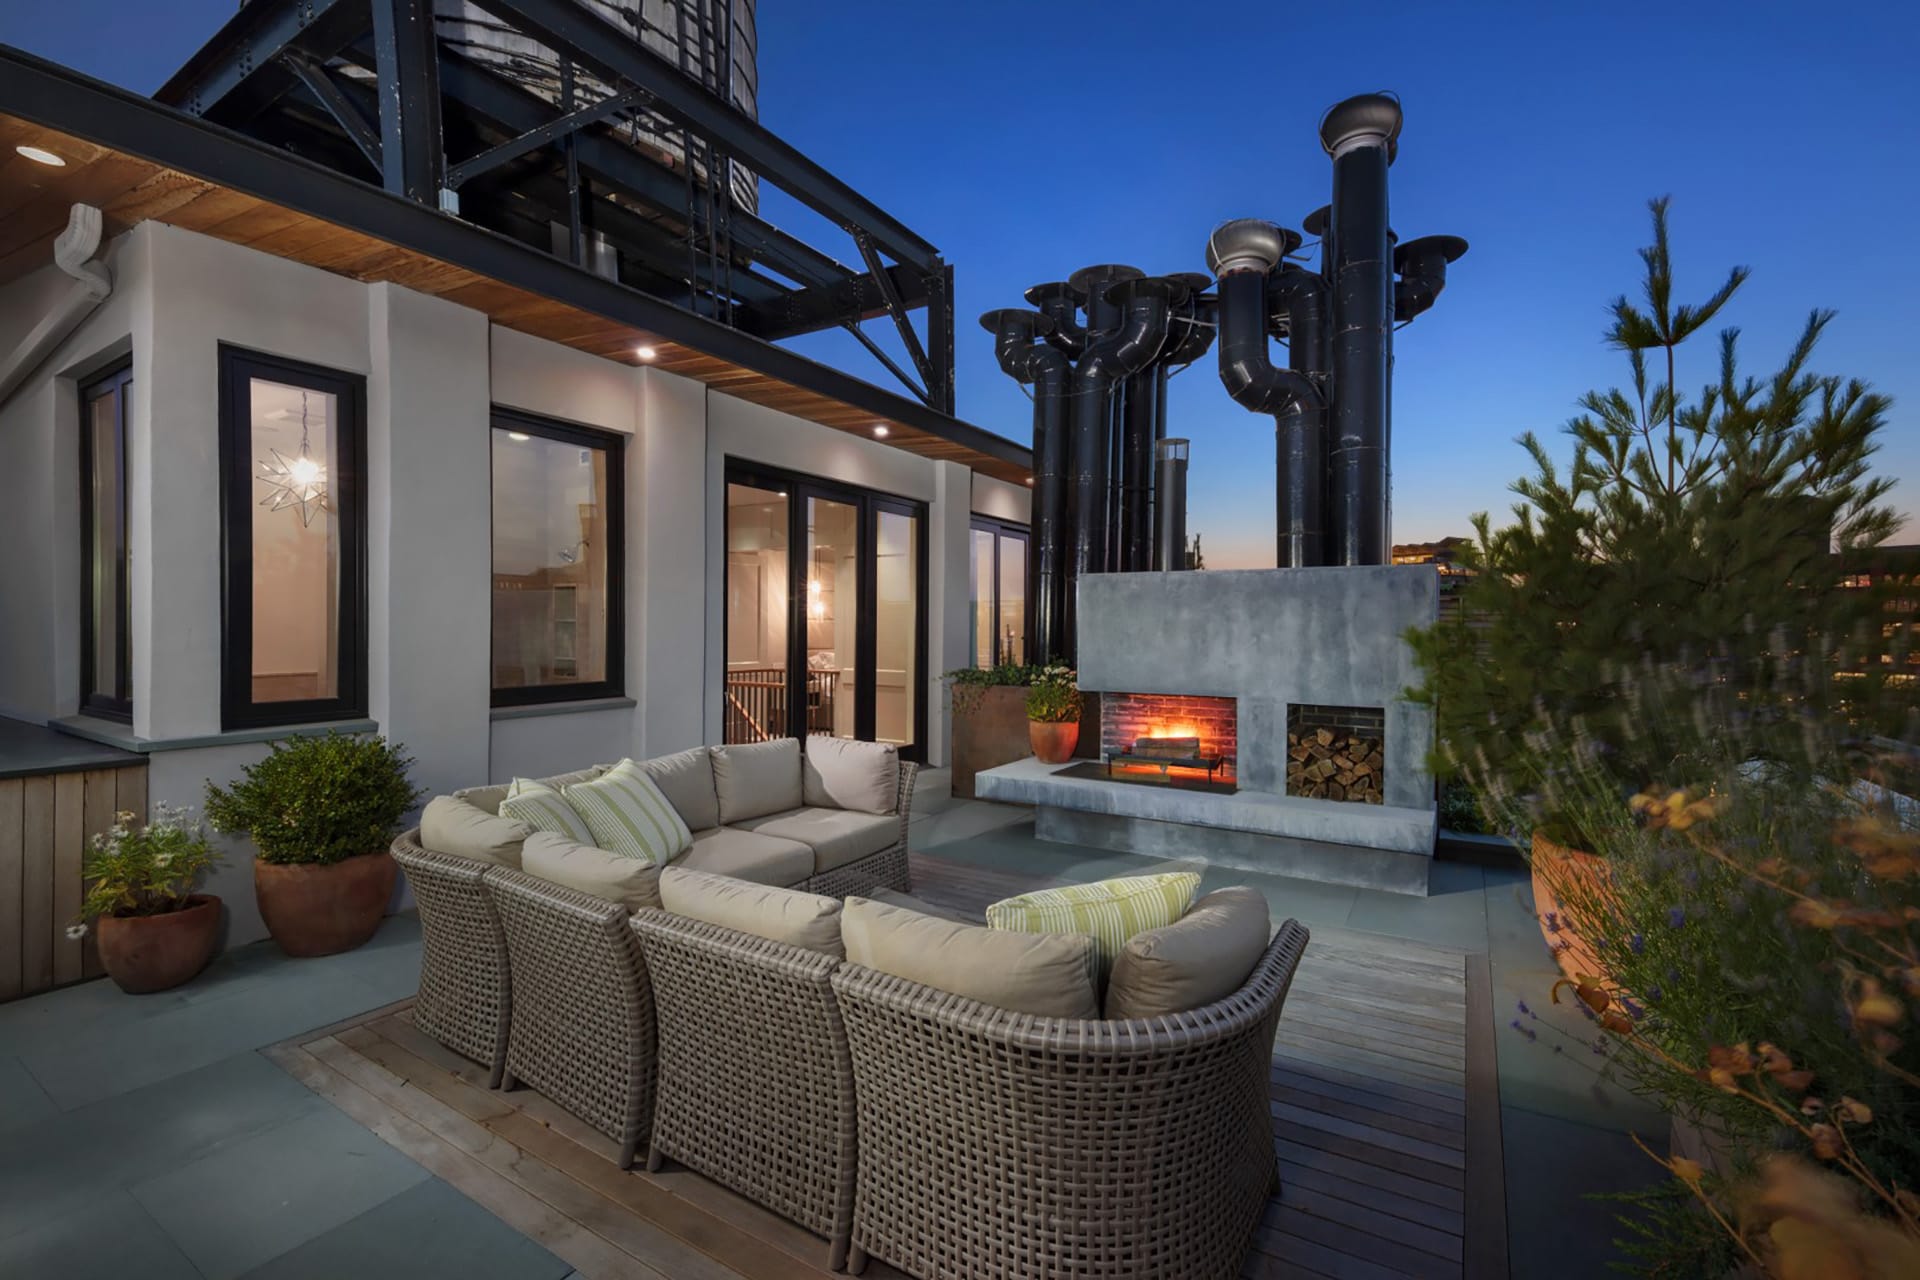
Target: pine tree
pixel 1691 528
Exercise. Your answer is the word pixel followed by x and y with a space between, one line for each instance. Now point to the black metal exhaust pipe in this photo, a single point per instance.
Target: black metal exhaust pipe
pixel 1300 431
pixel 1139 309
pixel 1060 302
pixel 1170 512
pixel 1361 134
pixel 1095 286
pixel 1026 359
pixel 1422 265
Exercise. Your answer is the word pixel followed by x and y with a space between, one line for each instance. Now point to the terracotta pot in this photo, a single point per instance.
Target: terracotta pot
pixel 153 953
pixel 316 910
pixel 1053 741
pixel 1560 873
pixel 993 731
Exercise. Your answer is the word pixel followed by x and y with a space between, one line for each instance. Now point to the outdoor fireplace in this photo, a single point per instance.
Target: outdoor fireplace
pixel 1336 753
pixel 1173 735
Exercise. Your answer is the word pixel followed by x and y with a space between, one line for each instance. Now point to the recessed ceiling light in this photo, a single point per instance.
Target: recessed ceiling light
pixel 1029 482
pixel 645 353
pixel 880 430
pixel 518 437
pixel 40 155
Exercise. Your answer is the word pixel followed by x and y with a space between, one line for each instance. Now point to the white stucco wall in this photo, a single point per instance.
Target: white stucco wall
pixel 1001 500
pixel 433 369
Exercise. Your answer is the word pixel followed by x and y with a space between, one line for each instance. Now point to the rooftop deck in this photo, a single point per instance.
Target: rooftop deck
pixel 280 1119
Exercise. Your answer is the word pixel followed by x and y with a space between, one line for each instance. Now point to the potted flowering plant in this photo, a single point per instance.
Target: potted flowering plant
pixel 321 811
pixel 1053 714
pixel 153 930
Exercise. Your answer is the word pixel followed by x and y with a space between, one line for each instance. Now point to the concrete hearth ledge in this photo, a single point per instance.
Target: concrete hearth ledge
pixel 1381 827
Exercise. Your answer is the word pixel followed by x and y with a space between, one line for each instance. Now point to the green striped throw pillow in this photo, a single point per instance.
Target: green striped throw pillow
pixel 629 816
pixel 544 809
pixel 1108 911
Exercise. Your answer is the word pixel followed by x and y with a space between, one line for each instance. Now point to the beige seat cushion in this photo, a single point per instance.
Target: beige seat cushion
pixel 748 855
pixel 489 798
pixel 627 881
pixel 838 773
pixel 1047 974
pixel 685 778
pixel 757 778
pixel 783 915
pixel 836 836
pixel 1202 957
pixel 452 825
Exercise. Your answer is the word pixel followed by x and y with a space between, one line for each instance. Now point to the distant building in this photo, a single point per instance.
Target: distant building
pixel 1894 569
pixel 1444 555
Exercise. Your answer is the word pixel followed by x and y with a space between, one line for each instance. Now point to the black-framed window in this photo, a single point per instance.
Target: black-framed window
pixel 294 527
pixel 106 648
pixel 559 499
pixel 998 587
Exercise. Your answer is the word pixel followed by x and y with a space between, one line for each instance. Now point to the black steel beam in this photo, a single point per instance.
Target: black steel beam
pixel 239 69
pixel 940 392
pixel 576 32
pixel 895 308
pixel 850 300
pixel 878 353
pixel 413 157
pixel 58 98
pixel 345 114
pixel 550 132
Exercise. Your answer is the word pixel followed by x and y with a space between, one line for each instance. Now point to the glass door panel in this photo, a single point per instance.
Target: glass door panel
pixel 980 580
pixel 758 622
pixel 1012 631
pixel 896 647
pixel 831 693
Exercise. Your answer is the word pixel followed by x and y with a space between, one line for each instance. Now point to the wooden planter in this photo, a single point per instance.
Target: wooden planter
pixel 314 910
pixel 994 732
pixel 1558 872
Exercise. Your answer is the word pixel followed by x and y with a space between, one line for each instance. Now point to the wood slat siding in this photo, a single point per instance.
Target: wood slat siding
pixel 1382 1092
pixel 46 821
pixel 34 202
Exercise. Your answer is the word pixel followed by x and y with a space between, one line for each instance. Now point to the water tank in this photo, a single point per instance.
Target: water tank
pixel 712 41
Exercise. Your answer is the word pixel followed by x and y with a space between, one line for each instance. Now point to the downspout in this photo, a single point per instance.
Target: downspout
pixel 1360 134
pixel 1244 254
pixel 1139 306
pixel 1026 359
pixel 72 253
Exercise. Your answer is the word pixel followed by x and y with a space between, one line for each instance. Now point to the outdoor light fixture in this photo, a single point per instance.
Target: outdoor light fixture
pixel 40 155
pixel 645 353
pixel 298 482
pixel 880 430
pixel 518 437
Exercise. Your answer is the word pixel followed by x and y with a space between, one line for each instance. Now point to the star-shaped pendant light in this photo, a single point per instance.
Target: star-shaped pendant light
pixel 295 482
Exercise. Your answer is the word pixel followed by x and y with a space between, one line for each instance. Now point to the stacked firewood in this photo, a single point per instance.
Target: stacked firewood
pixel 1328 765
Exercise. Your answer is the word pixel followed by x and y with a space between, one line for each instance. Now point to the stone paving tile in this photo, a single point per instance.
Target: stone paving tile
pixel 110 1238
pixel 255 1199
pixel 60 1163
pixel 427 1232
pixel 22 1100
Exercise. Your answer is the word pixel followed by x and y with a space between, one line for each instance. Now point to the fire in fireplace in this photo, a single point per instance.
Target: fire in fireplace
pixel 1336 753
pixel 1169 733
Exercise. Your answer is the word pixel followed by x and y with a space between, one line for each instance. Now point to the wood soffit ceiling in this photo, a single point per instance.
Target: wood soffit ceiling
pixel 34 203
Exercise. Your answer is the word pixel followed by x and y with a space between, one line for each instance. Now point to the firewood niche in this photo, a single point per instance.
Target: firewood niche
pixel 1336 753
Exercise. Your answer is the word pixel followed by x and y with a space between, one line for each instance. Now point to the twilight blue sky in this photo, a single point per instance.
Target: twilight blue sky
pixel 1029 139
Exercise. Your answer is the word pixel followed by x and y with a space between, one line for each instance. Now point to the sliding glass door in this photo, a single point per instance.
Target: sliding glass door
pixel 830 640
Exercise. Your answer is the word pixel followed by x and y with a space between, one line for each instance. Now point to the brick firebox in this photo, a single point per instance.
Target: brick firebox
pixel 1125 717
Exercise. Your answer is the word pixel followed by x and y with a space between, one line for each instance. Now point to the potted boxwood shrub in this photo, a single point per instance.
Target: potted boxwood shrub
pixel 322 812
pixel 154 932
pixel 1053 714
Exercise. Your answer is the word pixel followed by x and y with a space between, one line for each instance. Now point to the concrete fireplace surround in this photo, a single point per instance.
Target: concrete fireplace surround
pixel 1267 638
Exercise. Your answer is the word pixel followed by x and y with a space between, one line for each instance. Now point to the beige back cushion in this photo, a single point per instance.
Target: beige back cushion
pixel 783 915
pixel 489 798
pixel 839 773
pixel 452 825
pixel 1046 974
pixel 685 778
pixel 757 778
pixel 627 881
pixel 1202 957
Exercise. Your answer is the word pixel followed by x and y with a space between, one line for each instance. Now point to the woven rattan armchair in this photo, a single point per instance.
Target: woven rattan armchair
pixel 996 1145
pixel 755 1088
pixel 885 869
pixel 582 1027
pixel 464 1000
